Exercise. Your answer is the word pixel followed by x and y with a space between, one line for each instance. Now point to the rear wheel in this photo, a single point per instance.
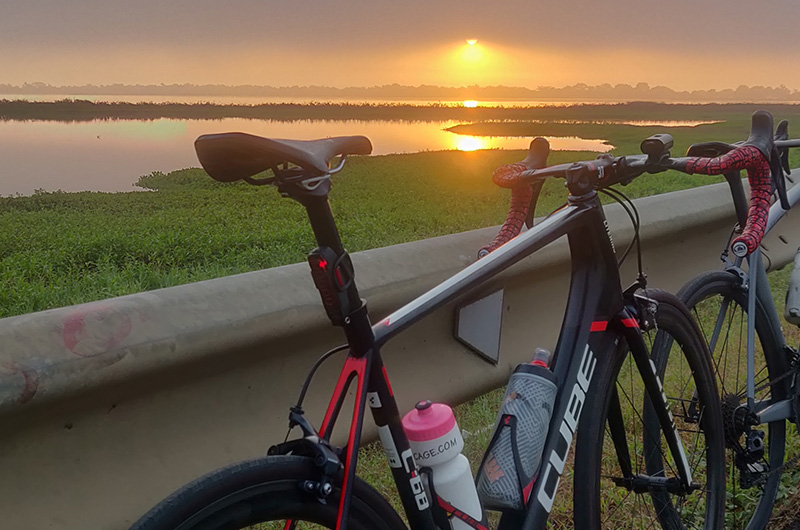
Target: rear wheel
pixel 265 494
pixel 607 495
pixel 719 302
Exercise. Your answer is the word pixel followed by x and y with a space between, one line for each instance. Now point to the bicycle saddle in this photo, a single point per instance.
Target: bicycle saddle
pixel 228 157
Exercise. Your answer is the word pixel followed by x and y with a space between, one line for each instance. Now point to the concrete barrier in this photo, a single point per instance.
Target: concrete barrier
pixel 107 407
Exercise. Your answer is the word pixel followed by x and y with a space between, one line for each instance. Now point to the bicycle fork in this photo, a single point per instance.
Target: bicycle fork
pixel 657 405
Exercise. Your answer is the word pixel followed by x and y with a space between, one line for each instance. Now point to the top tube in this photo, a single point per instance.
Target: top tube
pixel 542 234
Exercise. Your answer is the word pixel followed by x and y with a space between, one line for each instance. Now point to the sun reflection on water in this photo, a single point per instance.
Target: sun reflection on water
pixel 470 143
pixel 557 143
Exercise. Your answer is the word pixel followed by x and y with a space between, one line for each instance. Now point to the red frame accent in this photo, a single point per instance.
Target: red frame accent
pixel 354 367
pixel 528 490
pixel 386 377
pixel 452 511
pixel 599 325
pixel 630 323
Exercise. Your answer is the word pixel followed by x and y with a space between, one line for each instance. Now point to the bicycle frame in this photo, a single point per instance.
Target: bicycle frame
pixel 758 290
pixel 598 317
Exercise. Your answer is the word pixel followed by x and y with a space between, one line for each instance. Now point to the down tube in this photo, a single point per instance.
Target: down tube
pixel 380 398
pixel 595 297
pixel 547 231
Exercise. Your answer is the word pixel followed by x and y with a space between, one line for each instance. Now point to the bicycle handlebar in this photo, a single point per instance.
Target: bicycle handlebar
pixel 759 173
pixel 763 156
pixel 526 183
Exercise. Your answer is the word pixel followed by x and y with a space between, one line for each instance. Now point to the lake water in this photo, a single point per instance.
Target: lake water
pixel 112 155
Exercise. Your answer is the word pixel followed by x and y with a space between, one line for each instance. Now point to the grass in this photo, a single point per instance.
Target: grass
pixel 59 249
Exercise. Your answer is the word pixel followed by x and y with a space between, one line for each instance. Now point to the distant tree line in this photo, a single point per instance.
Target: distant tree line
pixel 578 92
pixel 71 110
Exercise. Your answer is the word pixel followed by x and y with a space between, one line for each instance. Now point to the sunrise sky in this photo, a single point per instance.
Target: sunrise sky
pixel 682 44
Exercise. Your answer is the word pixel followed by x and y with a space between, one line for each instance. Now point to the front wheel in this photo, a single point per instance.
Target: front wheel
pixel 265 494
pixel 616 477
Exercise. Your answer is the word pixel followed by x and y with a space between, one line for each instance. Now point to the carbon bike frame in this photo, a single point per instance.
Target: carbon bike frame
pixel 596 320
pixel 758 290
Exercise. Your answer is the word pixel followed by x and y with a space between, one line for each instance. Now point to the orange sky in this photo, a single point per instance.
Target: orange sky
pixel 371 42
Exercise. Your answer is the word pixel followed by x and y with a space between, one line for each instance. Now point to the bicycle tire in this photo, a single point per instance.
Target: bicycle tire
pixel 679 352
pixel 265 490
pixel 748 508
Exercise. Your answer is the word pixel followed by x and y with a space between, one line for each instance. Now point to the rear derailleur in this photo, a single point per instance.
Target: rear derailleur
pixel 749 457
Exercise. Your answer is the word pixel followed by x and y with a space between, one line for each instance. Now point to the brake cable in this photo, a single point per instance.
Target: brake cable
pixel 630 209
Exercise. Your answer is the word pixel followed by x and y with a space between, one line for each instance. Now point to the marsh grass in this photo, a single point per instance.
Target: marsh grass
pixel 84 110
pixel 59 249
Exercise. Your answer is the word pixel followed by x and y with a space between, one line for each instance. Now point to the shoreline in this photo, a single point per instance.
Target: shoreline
pixel 71 110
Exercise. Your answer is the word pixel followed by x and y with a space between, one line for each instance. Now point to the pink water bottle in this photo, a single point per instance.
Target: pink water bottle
pixel 436 442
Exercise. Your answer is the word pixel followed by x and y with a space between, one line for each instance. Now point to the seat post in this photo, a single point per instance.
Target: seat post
pixel 355 319
pixel 323 223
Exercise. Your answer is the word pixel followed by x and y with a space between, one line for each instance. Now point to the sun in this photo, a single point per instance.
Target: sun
pixel 472 52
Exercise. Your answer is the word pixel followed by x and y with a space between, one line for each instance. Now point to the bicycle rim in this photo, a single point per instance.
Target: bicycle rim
pixel 751 486
pixel 266 494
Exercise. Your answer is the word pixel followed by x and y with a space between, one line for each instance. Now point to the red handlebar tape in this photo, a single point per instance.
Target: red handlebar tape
pixel 520 202
pixel 758 174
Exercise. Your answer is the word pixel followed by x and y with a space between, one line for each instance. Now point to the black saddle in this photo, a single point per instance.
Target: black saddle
pixel 234 156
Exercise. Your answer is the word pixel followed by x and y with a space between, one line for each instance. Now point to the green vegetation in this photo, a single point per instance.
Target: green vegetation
pixel 82 110
pixel 60 249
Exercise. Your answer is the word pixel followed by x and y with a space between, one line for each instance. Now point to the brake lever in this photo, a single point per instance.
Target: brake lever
pixel 536 187
pixel 779 164
pixel 782 133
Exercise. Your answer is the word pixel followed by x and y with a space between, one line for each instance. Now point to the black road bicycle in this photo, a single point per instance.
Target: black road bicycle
pixel 632 370
pixel 757 373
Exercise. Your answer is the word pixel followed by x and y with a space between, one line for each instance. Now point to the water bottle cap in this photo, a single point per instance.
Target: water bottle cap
pixel 541 357
pixel 424 407
pixel 428 421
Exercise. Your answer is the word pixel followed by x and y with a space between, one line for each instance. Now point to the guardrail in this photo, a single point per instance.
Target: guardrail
pixel 106 407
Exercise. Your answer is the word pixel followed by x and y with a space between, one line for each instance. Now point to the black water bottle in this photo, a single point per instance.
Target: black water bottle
pixel 509 467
